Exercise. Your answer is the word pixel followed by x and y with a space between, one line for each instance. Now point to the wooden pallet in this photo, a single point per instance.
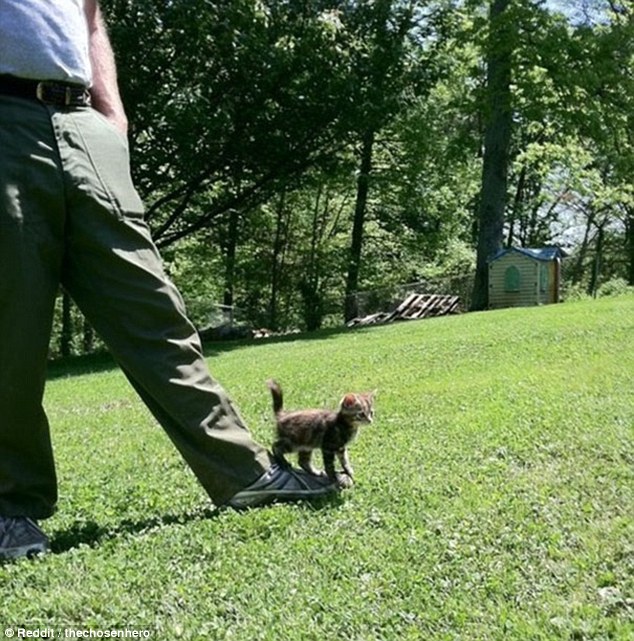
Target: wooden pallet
pixel 414 307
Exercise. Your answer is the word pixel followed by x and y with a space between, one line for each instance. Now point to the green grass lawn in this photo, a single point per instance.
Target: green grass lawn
pixel 494 496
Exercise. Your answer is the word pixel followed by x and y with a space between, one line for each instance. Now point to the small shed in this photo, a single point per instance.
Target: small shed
pixel 520 277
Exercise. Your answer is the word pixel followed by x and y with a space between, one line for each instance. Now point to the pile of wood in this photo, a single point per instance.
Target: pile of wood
pixel 414 307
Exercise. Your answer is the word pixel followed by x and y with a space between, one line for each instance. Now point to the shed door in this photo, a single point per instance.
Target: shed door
pixel 512 279
pixel 544 278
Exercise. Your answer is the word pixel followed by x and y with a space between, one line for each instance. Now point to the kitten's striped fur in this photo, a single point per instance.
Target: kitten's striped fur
pixel 303 431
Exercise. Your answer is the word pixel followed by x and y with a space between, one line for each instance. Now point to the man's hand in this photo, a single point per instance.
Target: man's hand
pixel 104 91
pixel 119 120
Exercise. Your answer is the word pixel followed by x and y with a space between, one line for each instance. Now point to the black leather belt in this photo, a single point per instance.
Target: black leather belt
pixel 49 92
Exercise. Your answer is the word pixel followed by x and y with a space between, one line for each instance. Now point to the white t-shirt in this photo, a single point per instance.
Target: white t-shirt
pixel 45 40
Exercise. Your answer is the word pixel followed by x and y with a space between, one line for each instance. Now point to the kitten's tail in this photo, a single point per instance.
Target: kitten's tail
pixel 276 393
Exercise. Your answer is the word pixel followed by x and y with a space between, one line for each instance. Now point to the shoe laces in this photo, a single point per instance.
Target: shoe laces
pixel 16 524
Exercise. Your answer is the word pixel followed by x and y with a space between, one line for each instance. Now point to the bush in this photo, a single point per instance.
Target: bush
pixel 578 291
pixel 615 287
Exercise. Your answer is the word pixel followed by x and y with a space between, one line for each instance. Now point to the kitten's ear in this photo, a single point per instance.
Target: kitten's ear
pixel 369 396
pixel 348 401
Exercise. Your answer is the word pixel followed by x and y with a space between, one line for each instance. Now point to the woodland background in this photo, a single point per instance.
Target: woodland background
pixel 294 154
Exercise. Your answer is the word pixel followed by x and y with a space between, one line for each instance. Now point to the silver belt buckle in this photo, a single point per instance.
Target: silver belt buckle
pixel 65 100
pixel 39 91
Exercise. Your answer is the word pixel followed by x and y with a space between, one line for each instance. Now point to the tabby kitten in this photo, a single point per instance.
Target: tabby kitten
pixel 303 431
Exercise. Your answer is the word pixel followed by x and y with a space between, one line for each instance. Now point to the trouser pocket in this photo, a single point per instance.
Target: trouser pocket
pixel 108 154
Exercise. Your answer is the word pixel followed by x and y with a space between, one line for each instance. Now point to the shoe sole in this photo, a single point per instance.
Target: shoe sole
pixel 258 498
pixel 10 554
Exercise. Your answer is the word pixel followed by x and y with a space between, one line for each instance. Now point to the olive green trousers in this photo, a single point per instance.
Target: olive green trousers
pixel 70 215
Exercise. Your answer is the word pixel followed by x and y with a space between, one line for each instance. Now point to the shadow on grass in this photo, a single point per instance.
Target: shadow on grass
pixel 92 534
pixel 80 365
pixel 104 361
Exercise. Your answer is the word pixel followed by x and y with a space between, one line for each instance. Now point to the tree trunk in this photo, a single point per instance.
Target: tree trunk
pixel 88 342
pixel 66 337
pixel 629 239
pixel 517 205
pixel 596 263
pixel 497 140
pixel 230 257
pixel 578 271
pixel 360 209
pixel 278 250
pixel 309 284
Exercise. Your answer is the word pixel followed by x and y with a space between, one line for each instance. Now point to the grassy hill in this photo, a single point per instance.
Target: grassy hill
pixel 494 496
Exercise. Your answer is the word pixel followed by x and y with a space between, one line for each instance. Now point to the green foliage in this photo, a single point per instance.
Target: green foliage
pixel 196 267
pixel 251 112
pixel 77 337
pixel 575 292
pixel 574 103
pixel 615 287
pixel 611 288
pixel 493 498
pixel 251 95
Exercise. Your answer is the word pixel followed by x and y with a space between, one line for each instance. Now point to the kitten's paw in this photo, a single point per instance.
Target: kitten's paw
pixel 282 462
pixel 344 481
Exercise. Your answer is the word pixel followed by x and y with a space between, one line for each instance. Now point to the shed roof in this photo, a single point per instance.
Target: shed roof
pixel 543 253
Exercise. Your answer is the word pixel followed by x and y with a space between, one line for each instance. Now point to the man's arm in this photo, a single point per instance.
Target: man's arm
pixel 105 90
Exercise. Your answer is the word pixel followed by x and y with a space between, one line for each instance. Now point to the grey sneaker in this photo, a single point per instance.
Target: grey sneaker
pixel 280 484
pixel 20 536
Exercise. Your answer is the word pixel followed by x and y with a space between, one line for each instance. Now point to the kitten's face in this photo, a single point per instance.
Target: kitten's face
pixel 360 407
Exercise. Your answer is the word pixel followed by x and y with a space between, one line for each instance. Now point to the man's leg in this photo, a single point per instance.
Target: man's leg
pixel 115 275
pixel 31 240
